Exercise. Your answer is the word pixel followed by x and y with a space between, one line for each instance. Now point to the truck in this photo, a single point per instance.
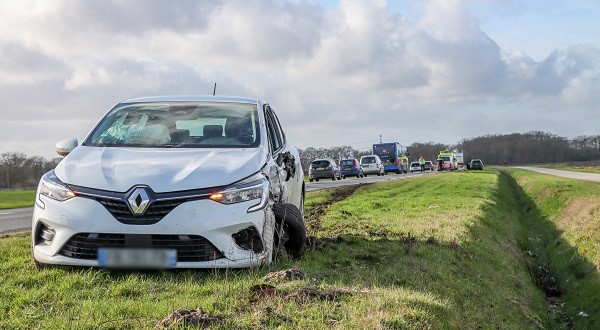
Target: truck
pixel 394 156
pixel 460 159
pixel 449 160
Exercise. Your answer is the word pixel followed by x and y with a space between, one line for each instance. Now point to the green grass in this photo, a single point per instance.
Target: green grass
pixel 574 168
pixel 12 199
pixel 439 251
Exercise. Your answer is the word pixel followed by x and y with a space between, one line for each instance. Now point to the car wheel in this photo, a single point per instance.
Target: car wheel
pixel 317 180
pixel 290 232
pixel 311 180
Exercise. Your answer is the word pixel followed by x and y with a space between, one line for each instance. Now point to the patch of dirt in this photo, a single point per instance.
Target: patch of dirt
pixel 283 275
pixel 188 318
pixel 317 293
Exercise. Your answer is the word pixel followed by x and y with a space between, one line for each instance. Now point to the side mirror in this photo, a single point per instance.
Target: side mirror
pixel 65 146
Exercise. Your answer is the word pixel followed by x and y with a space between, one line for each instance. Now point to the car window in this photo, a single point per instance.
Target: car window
pixel 347 162
pixel 275 137
pixel 320 163
pixel 368 160
pixel 178 124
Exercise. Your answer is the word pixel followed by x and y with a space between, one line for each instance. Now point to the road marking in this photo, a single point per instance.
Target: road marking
pixel 7 213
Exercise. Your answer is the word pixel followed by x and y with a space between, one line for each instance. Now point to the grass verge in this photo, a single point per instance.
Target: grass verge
pixel 12 199
pixel 439 251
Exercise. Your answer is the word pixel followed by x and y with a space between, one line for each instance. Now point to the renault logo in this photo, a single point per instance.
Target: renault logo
pixel 138 201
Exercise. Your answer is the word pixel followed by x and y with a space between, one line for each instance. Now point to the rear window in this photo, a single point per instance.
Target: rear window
pixel 415 164
pixel 320 163
pixel 348 162
pixel 367 160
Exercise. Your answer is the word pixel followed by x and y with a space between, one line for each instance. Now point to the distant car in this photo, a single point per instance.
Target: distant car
pixel 325 168
pixel 476 164
pixel 372 165
pixel 415 166
pixel 428 165
pixel 350 167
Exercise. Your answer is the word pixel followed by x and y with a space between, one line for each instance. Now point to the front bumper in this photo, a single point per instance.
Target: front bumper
pixel 207 226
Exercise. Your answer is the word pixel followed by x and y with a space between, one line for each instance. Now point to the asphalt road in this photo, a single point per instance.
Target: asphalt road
pixel 15 220
pixel 564 174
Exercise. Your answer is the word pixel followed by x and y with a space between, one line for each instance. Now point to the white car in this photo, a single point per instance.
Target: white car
pixel 173 182
pixel 415 166
pixel 372 165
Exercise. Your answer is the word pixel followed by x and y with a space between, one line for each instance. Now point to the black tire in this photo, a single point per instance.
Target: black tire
pixel 311 180
pixel 317 180
pixel 290 225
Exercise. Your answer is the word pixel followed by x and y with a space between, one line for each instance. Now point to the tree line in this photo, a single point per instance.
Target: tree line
pixel 17 170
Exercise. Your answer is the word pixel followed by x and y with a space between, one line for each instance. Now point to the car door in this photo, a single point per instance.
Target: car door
pixel 286 171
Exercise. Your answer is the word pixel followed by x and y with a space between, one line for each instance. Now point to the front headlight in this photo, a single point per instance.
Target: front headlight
pixel 255 187
pixel 51 187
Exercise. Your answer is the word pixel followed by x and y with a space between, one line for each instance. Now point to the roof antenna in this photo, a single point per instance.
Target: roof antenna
pixel 215 89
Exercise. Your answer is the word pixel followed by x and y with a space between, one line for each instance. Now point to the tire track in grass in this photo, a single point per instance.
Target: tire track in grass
pixel 315 213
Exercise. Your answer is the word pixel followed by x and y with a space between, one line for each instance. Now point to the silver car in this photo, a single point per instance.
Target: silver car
pixel 372 165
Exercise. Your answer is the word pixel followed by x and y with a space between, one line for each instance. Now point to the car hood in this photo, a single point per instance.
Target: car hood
pixel 163 170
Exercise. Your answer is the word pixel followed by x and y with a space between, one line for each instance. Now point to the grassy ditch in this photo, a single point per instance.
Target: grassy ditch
pixel 12 199
pixel 562 242
pixel 439 251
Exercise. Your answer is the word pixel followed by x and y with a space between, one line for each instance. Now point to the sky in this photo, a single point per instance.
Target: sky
pixel 336 72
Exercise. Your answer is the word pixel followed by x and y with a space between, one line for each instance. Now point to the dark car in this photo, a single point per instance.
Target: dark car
pixel 325 168
pixel 350 167
pixel 476 164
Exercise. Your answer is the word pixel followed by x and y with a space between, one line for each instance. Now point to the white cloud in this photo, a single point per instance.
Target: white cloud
pixel 335 76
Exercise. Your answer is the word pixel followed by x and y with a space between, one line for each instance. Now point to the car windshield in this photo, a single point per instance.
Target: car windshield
pixel 446 158
pixel 348 162
pixel 178 124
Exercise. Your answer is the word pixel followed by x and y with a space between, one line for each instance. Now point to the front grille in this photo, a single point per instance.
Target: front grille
pixel 190 248
pixel 155 212
pixel 159 204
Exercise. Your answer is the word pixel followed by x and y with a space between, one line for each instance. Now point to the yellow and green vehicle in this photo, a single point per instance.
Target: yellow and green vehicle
pixel 449 160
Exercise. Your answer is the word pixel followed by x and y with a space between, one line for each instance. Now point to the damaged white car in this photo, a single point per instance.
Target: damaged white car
pixel 173 182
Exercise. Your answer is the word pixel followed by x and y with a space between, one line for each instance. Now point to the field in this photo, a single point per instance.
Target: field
pixel 11 199
pixel 457 250
pixel 587 167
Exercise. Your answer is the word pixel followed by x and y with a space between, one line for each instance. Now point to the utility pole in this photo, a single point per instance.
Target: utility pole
pixel 380 140
pixel 7 178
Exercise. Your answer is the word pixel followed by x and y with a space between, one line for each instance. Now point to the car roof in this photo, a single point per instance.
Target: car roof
pixel 194 98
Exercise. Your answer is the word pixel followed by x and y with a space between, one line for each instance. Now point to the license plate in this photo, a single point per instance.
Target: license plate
pixel 320 168
pixel 348 168
pixel 137 258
